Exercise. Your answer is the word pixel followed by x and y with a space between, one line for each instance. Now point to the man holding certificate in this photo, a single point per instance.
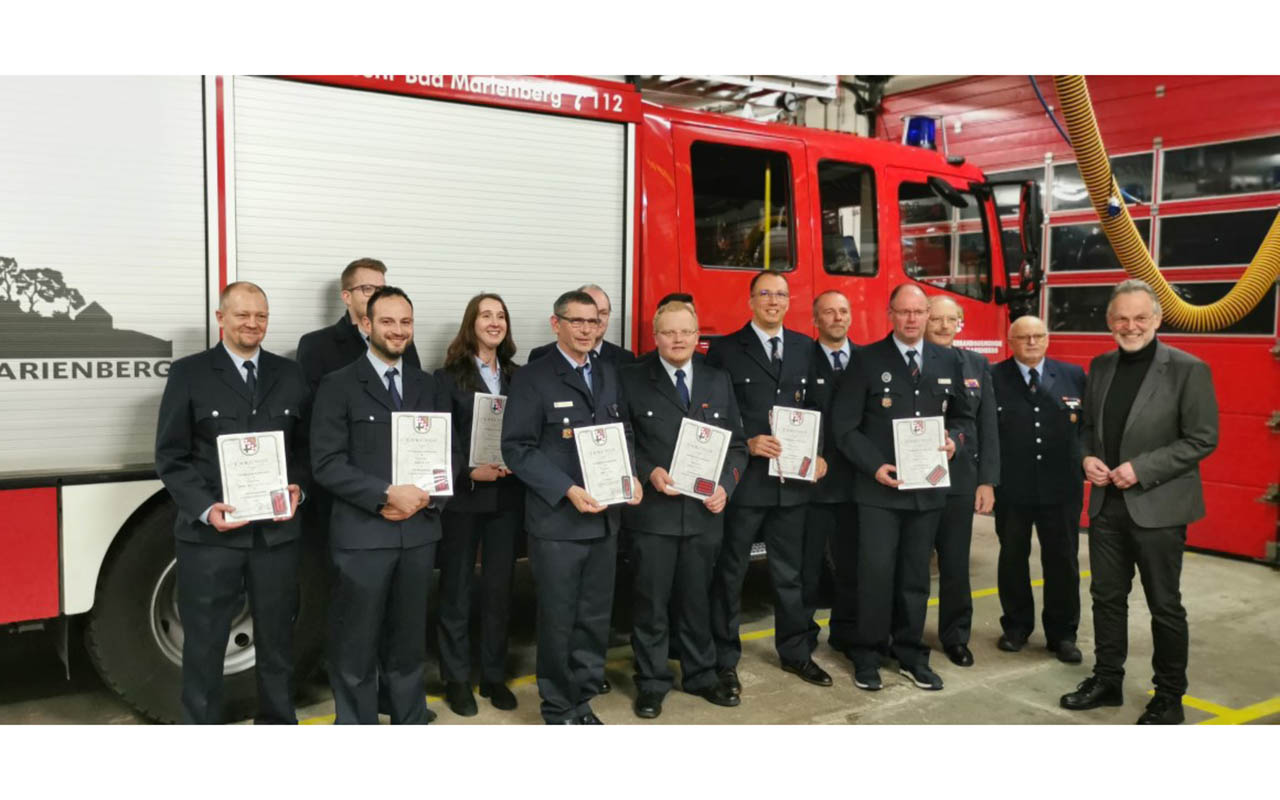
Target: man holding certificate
pixel 560 406
pixel 899 410
pixel 385 523
pixel 230 418
pixel 691 448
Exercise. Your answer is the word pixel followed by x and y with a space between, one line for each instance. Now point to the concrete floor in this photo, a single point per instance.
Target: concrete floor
pixel 1235 645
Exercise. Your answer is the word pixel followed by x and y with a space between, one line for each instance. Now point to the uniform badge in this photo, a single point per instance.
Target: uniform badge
pixel 567 433
pixel 972 383
pixel 798 397
pixel 886 377
pixel 1073 416
pixel 886 401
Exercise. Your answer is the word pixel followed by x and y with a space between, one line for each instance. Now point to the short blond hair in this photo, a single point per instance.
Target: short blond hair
pixel 674 305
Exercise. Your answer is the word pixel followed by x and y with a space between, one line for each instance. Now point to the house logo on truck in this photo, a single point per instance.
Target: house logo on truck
pixel 48 331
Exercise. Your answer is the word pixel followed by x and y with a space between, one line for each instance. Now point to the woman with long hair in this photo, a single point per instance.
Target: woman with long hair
pixel 486 512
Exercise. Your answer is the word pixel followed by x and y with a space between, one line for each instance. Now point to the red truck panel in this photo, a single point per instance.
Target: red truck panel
pixel 29 542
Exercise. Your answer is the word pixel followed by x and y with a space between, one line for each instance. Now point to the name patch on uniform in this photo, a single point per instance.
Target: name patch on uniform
pixel 821 381
pixel 564 404
pixel 971 383
pixel 945 381
pixel 1071 402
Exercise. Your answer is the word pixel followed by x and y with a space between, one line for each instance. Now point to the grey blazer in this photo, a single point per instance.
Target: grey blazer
pixel 1172 426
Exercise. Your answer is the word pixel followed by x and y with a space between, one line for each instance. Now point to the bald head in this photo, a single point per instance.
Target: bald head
pixel 1028 340
pixel 908 313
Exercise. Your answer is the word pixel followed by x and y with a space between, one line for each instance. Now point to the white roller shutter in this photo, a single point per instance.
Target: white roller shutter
pixel 454 198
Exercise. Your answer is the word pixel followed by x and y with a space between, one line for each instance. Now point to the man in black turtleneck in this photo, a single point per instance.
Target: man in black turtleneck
pixel 1150 410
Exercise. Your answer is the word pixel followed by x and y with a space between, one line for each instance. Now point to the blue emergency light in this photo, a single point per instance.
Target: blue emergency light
pixel 923 131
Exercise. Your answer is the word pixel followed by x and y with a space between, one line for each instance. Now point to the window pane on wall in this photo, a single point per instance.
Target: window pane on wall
pixel 1133 173
pixel 1007 196
pixel 1083 309
pixel 848 196
pixel 1086 247
pixel 729 203
pixel 1222 169
pixel 1206 240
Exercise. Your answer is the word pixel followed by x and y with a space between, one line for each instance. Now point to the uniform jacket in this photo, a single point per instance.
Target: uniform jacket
pixel 548 400
pixel 1171 427
pixel 656 414
pixel 323 351
pixel 837 486
pixel 980 462
pixel 504 494
pixel 206 396
pixel 1039 434
pixel 608 352
pixel 866 405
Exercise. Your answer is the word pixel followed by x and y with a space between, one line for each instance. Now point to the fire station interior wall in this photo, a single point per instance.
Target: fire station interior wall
pixel 454 198
pixel 102 263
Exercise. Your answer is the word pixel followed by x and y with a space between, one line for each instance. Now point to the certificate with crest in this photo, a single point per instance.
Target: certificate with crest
pixel 605 462
pixel 422 450
pixel 255 477
pixel 917 443
pixel 698 459
pixel 798 430
pixel 486 429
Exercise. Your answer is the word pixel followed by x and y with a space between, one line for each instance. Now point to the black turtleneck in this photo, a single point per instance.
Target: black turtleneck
pixel 1131 368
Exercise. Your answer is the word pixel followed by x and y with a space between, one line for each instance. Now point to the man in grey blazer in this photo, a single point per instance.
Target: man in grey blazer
pixel 1150 417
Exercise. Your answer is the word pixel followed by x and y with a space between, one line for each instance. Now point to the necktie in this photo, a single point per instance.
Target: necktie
pixel 1034 383
pixel 586 376
pixel 682 389
pixel 391 374
pixel 774 358
pixel 252 380
pixel 912 366
pixel 835 361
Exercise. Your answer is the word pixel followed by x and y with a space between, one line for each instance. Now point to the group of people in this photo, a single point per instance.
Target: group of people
pixel 1021 436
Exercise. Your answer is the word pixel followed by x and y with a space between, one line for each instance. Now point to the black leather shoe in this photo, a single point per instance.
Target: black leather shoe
pixel 718 693
pixel 605 687
pixel 1011 642
pixel 1164 709
pixel 648 705
pixel 1091 693
pixel 809 672
pixel 959 654
pixel 729 677
pixel 499 695
pixel 1067 652
pixel 461 701
pixel 589 718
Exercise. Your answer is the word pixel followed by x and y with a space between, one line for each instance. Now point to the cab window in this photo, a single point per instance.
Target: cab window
pixel 731 188
pixel 848 196
pixel 944 246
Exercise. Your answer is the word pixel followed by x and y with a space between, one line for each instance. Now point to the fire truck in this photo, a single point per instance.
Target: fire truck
pixel 129 202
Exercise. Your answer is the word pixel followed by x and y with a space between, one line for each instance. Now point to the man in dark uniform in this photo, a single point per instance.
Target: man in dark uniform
pixel 573 540
pixel 675 537
pixel 382 536
pixel 974 475
pixel 769 366
pixel 600 348
pixel 900 376
pixel 831 522
pixel 1038 401
pixel 233 387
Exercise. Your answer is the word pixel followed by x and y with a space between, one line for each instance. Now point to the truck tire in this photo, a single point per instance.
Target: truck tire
pixel 134 632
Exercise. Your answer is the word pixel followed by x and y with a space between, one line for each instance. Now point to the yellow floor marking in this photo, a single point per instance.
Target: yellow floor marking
pixel 1222 715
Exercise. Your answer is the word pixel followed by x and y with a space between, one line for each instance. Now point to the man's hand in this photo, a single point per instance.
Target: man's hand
pixel 1096 471
pixel 822 468
pixel 489 472
pixel 1123 476
pixel 882 475
pixel 218 518
pixel 949 447
pixel 407 498
pixel 765 446
pixel 716 502
pixel 661 480
pixel 637 492
pixel 985 499
pixel 390 513
pixel 585 503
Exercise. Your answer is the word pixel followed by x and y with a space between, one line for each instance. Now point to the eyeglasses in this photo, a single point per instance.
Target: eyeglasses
pixel 765 294
pixel 365 289
pixel 909 312
pixel 684 333
pixel 951 320
pixel 1030 338
pixel 1142 320
pixel 580 323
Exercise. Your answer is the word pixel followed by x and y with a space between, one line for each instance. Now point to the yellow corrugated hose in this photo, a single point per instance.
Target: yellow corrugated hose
pixel 1095 169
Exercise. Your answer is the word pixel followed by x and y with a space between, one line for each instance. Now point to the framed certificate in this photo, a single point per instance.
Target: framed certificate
pixel 698 459
pixel 605 462
pixel 916 442
pixel 486 429
pixel 798 430
pixel 422 450
pixel 255 477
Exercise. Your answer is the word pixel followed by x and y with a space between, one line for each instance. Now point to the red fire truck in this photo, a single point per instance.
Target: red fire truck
pixel 129 202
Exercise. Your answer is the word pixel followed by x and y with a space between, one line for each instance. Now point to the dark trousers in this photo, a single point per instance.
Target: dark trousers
pixel 783 529
pixel 673 572
pixel 378 633
pixel 893 583
pixel 494 534
pixel 955 598
pixel 1058 527
pixel 212 582
pixel 1116 546
pixel 837 525
pixel 574 582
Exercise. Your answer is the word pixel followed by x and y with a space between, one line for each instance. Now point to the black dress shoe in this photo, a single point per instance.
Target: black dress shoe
pixel 499 695
pixel 718 693
pixel 1011 642
pixel 959 654
pixel 461 701
pixel 1067 652
pixel 1164 709
pixel 1091 693
pixel 589 718
pixel 809 672
pixel 648 705
pixel 729 678
pixel 605 687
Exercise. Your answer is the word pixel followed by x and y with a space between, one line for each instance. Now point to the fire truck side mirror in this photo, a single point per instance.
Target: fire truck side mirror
pixel 1030 232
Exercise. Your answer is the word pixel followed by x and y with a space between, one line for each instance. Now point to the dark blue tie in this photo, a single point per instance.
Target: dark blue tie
pixel 682 389
pixel 252 380
pixel 835 361
pixel 912 366
pixel 1034 382
pixel 391 374
pixel 586 377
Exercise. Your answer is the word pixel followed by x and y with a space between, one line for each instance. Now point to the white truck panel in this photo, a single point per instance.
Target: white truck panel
pixel 92 515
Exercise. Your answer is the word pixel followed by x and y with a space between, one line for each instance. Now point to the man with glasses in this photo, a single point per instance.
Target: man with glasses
pixel 769 366
pixel 1038 406
pixel 600 348
pixel 1150 418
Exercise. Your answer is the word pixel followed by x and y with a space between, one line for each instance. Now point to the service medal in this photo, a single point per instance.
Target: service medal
pixel 886 377
pixel 886 401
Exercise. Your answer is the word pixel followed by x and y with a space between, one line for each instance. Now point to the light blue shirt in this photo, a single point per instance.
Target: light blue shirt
pixel 240 362
pixel 586 373
pixel 903 348
pixel 844 359
pixel 1026 371
pixel 381 367
pixel 765 337
pixel 491 378
pixel 671 372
